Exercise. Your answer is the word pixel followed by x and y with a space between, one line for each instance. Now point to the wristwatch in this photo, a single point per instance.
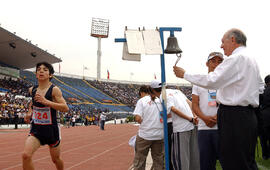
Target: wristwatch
pixel 191 120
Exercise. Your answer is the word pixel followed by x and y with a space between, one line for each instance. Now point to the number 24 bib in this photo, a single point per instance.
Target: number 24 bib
pixel 42 115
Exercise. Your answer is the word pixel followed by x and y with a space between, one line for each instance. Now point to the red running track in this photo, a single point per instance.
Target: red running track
pixel 83 148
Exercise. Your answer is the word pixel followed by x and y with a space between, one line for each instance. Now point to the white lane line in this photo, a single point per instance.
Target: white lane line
pixel 93 157
pixel 18 165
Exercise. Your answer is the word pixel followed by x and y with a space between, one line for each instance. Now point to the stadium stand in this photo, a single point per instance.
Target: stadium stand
pixel 85 98
pixel 78 91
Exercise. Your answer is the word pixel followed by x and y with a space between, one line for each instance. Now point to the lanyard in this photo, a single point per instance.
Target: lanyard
pixel 160 113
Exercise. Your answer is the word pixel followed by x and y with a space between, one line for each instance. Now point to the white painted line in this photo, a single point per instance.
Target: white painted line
pixel 93 157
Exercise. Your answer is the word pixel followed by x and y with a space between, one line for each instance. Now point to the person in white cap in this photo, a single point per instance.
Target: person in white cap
pixel 184 151
pixel 205 107
pixel 150 134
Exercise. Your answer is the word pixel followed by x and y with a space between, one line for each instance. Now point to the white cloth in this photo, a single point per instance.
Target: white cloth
pixel 178 100
pixel 132 141
pixel 237 80
pixel 151 128
pixel 152 42
pixel 202 93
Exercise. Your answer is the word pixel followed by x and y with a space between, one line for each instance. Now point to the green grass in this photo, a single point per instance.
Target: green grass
pixel 262 164
pixel 218 166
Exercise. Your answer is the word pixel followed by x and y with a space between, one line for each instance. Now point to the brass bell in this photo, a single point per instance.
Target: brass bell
pixel 172 46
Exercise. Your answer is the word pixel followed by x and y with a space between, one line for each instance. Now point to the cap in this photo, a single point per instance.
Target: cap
pixel 155 84
pixel 213 54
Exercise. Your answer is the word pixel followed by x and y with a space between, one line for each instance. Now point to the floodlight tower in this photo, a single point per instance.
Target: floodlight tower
pixel 99 29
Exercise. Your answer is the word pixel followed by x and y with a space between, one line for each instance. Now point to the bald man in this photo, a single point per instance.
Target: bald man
pixel 238 83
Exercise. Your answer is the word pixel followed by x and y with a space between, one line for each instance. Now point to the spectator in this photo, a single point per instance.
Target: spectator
pixel 265 111
pixel 102 121
pixel 150 135
pixel 185 153
pixel 205 107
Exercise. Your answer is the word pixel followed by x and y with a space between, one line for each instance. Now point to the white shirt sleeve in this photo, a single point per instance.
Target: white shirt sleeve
pixel 261 84
pixel 224 74
pixel 170 102
pixel 195 90
pixel 139 108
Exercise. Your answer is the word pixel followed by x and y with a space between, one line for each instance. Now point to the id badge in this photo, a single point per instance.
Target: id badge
pixel 212 98
pixel 160 117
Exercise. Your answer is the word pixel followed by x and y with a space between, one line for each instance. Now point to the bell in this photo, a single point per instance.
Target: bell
pixel 172 46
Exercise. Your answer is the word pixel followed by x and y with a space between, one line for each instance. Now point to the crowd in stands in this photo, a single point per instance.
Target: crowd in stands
pixel 14 107
pixel 16 87
pixel 128 93
pixel 124 93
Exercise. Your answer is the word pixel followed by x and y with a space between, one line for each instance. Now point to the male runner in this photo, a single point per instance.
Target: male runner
pixel 46 99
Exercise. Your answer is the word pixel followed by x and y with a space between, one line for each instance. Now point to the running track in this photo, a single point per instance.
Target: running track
pixel 82 148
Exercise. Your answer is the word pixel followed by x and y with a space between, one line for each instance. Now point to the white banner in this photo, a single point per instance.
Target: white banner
pixel 152 42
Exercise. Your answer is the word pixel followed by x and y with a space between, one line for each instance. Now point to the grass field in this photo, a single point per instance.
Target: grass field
pixel 262 164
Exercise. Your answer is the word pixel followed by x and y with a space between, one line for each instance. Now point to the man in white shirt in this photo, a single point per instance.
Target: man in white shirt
pixel 150 134
pixel 238 83
pixel 102 120
pixel 205 107
pixel 185 153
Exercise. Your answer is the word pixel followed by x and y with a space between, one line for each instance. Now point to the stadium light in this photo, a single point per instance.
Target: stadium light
pixel 99 29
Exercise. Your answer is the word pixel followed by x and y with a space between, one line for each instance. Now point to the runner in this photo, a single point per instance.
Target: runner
pixel 46 99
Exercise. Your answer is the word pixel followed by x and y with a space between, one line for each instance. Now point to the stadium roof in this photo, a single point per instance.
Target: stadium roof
pixel 21 54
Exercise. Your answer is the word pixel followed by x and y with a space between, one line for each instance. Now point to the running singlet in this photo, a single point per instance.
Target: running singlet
pixel 44 124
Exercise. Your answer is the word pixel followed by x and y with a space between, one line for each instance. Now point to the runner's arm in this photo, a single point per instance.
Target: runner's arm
pixel 58 102
pixel 29 113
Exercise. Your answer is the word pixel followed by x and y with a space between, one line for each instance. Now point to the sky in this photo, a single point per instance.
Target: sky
pixel 63 27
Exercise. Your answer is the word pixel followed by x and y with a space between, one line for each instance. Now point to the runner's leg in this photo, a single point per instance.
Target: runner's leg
pixel 55 155
pixel 30 146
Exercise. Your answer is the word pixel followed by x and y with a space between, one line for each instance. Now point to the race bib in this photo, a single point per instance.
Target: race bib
pixel 212 98
pixel 42 115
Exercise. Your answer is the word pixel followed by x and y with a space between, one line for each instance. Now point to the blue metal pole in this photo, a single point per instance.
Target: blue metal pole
pixel 163 78
pixel 165 127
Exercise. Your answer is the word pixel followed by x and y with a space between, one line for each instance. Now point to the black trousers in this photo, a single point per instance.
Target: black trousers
pixel 170 132
pixel 208 147
pixel 265 142
pixel 237 127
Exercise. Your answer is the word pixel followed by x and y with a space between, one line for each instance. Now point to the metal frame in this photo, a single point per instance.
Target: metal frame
pixel 163 79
